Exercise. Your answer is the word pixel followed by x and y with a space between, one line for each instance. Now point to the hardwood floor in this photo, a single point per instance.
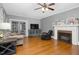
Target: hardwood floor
pixel 36 46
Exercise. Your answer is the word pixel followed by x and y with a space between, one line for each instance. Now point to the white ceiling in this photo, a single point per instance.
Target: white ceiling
pixel 27 9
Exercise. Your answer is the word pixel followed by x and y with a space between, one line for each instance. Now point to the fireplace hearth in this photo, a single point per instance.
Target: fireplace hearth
pixel 65 36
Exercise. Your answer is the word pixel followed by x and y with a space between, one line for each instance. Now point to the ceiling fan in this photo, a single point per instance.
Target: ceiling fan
pixel 44 7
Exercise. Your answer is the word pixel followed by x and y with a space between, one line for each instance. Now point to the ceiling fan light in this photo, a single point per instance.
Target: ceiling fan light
pixel 46 9
pixel 43 9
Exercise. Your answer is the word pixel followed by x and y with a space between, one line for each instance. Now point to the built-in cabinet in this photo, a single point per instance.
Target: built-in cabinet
pixel 34 32
pixel 18 27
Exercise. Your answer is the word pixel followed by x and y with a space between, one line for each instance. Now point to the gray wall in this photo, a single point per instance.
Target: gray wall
pixel 47 23
pixel 30 20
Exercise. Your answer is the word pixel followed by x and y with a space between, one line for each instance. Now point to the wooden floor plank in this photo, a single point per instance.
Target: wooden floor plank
pixel 36 46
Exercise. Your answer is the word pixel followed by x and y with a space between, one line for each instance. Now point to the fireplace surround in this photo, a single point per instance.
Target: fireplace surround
pixel 70 28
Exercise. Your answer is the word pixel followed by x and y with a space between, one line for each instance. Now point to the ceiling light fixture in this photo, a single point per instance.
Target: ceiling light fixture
pixel 45 7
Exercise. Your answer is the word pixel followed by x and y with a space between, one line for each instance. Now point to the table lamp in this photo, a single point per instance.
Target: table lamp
pixel 4 27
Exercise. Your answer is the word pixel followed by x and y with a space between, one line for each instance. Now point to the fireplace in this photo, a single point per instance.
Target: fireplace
pixel 67 30
pixel 65 36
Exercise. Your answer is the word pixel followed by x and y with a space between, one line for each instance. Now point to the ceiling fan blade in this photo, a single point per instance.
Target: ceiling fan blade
pixel 51 4
pixel 50 8
pixel 40 4
pixel 37 8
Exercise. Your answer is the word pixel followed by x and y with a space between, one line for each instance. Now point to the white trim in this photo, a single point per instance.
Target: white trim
pixel 71 25
pixel 26 21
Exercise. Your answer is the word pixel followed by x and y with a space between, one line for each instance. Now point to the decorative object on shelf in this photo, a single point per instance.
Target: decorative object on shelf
pixel 72 20
pixel 60 22
pixel 76 20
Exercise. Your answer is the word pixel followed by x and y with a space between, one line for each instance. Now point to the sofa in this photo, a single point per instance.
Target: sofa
pixel 19 38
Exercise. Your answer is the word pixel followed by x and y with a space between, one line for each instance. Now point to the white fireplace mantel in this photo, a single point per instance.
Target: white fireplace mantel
pixel 67 25
pixel 73 28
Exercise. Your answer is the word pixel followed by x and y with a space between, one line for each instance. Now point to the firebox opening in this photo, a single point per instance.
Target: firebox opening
pixel 65 36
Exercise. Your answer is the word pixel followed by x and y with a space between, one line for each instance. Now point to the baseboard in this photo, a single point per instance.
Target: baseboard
pixel 32 36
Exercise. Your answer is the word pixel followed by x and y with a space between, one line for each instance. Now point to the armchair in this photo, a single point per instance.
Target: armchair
pixel 46 36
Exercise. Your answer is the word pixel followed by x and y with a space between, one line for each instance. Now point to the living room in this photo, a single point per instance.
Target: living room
pixel 27 29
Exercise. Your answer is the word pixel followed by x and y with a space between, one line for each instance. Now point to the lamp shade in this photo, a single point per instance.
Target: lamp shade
pixel 5 26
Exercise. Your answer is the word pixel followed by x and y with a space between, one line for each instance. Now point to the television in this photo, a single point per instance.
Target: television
pixel 34 26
